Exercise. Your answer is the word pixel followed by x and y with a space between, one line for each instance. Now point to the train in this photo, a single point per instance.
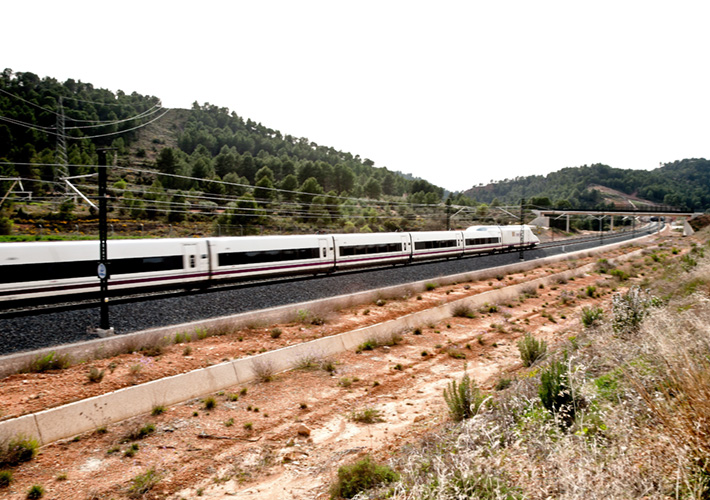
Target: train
pixel 44 270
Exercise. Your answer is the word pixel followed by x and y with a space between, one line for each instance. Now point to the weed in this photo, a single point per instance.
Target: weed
pixel 366 416
pixel 19 449
pixel 463 311
pixel 590 291
pixel 139 432
pixel 95 375
pixel 49 361
pixel 630 309
pixel 556 393
pixel 243 391
pixel 131 450
pixel 248 426
pixel 275 333
pixel 157 410
pixel 417 331
pixel 345 382
pixel 5 478
pixel 456 353
pixel 229 422
pixel 591 315
pixel 152 350
pixel 263 370
pixel 368 345
pixel 430 286
pixel 380 302
pixel 366 312
pixel 360 476
pixel 143 483
pixel 398 367
pixel 232 396
pixel 187 350
pixel 463 399
pixel 503 383
pixel 62 476
pixel 36 491
pixel 209 403
pixel 531 349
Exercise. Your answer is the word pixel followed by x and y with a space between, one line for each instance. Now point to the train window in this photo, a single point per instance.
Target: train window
pixel 146 264
pixel 23 273
pixel 87 268
pixel 428 245
pixel 349 250
pixel 263 256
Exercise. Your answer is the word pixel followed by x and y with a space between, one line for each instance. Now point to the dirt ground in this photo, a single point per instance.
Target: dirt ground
pixel 286 438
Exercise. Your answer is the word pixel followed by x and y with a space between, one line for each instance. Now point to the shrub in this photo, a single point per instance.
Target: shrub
pixel 531 349
pixel 463 399
pixel 629 309
pixel 590 291
pixel 430 286
pixel 143 483
pixel 360 476
pixel 556 393
pixel 19 449
pixel 368 345
pixel 275 333
pixel 591 315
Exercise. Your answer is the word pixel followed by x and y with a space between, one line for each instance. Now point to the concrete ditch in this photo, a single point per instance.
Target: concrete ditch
pixel 82 416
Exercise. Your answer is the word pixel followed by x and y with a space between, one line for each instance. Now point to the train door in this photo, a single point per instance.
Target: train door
pixel 190 257
pixel 407 245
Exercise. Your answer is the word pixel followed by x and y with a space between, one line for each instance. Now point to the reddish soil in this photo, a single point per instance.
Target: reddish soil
pixel 285 439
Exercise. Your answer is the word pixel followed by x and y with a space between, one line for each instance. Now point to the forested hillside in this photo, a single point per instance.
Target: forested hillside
pixel 683 184
pixel 205 164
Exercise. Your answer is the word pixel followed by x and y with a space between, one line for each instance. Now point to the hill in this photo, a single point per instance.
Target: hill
pixel 683 184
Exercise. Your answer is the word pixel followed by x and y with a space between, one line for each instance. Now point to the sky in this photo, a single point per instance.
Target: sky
pixel 455 92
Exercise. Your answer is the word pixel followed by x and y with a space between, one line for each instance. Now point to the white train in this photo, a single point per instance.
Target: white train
pixel 49 269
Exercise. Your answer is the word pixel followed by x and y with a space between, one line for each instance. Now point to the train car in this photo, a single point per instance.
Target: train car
pixel 511 237
pixel 437 245
pixel 251 256
pixel 482 239
pixel 31 270
pixel 360 250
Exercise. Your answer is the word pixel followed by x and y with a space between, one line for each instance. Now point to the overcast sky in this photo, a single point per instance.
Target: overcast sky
pixel 455 92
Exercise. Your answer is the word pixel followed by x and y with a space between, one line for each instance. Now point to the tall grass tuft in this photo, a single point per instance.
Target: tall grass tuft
pixel 363 475
pixel 463 399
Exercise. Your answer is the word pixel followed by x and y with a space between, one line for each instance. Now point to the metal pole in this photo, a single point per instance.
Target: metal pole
pixel 522 229
pixel 103 233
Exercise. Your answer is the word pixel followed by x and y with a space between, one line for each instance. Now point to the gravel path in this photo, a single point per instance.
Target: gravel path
pixel 56 328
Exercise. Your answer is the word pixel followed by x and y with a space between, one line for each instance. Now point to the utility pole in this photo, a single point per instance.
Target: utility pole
pixel 61 170
pixel 102 271
pixel 448 214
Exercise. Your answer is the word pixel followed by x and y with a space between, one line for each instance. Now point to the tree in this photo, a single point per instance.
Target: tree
pixel 344 178
pixel 289 183
pixel 308 190
pixel 373 188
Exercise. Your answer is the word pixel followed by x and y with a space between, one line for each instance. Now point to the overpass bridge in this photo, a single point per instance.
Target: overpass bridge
pixel 542 216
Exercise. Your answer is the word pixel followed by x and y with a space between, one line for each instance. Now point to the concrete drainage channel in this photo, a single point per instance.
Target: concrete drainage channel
pixel 81 416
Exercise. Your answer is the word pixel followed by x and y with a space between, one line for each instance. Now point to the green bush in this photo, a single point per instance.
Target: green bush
pixel 463 399
pixel 531 349
pixel 360 476
pixel 6 225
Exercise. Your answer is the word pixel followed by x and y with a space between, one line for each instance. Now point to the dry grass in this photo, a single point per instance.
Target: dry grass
pixel 640 427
